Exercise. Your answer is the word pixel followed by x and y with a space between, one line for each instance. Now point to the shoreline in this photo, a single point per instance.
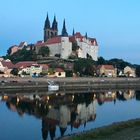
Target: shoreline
pixel 70 84
pixel 119 130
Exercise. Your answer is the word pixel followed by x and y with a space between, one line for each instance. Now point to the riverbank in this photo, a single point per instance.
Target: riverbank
pixel 129 130
pixel 70 84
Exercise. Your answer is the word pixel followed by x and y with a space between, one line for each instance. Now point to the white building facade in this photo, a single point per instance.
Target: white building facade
pixel 88 47
pixel 62 46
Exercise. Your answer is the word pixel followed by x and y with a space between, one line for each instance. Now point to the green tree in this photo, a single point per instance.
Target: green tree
pixel 84 66
pixel 138 71
pixel 74 46
pixel 101 61
pixel 9 51
pixel 22 55
pixel 44 51
pixel 69 73
pixel 119 63
pixel 14 71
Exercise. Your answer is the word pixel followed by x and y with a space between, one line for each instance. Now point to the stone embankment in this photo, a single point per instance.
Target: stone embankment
pixel 69 83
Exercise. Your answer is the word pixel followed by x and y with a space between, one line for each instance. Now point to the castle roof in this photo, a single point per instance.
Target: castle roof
pixel 81 37
pixel 22 44
pixel 54 40
pixel 50 41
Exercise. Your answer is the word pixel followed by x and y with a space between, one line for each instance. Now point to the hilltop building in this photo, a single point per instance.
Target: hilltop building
pixel 61 45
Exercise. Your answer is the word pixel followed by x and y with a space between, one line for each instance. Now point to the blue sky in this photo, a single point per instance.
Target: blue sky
pixel 114 23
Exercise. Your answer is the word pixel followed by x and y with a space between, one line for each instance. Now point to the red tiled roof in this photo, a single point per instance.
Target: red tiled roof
pixel 8 64
pixel 59 70
pixel 41 44
pixel 75 36
pixel 78 35
pixel 24 64
pixel 53 40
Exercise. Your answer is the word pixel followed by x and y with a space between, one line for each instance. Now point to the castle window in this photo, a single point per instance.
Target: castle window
pixel 52 34
pixel 48 33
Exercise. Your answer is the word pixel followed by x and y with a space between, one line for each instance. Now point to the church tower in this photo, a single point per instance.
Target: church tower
pixel 49 31
pixel 54 31
pixel 64 31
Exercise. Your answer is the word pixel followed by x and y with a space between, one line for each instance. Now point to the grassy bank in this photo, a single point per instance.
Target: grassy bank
pixel 118 131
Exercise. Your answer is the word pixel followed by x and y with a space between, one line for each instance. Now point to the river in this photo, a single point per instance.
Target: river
pixel 38 115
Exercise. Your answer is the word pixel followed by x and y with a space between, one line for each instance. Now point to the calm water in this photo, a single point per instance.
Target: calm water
pixel 38 116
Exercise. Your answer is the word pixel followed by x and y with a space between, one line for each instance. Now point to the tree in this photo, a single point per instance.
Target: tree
pixel 119 63
pixel 9 51
pixel 22 55
pixel 74 46
pixel 44 51
pixel 101 61
pixel 138 71
pixel 69 73
pixel 14 71
pixel 84 66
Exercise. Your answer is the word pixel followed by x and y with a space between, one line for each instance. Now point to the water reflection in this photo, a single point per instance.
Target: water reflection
pixel 63 110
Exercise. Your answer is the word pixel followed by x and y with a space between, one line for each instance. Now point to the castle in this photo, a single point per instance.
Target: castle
pixel 61 45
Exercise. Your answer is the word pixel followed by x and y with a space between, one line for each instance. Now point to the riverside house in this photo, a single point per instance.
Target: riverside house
pixel 5 68
pixel 129 72
pixel 28 68
pixel 106 71
pixel 60 72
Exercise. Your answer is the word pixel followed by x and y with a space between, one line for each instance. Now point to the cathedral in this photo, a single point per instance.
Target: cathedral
pixel 52 31
pixel 61 45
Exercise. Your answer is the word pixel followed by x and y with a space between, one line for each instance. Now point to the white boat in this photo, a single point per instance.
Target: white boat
pixel 52 86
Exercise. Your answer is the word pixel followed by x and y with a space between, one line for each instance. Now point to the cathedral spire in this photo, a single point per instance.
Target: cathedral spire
pixel 47 22
pixel 86 36
pixel 54 24
pixel 64 31
pixel 73 32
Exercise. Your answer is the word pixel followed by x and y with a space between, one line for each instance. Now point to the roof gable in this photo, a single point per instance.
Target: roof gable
pixel 109 67
pixel 8 64
pixel 24 64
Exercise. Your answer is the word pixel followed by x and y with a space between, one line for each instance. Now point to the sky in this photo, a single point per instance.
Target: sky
pixel 114 23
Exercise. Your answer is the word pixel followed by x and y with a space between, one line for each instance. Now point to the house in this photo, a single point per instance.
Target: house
pixel 106 71
pixel 45 69
pixel 129 71
pixel 60 72
pixel 28 68
pixel 34 70
pixel 5 67
pixel 1 58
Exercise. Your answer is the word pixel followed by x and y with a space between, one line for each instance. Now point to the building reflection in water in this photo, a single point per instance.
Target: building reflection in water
pixel 61 110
